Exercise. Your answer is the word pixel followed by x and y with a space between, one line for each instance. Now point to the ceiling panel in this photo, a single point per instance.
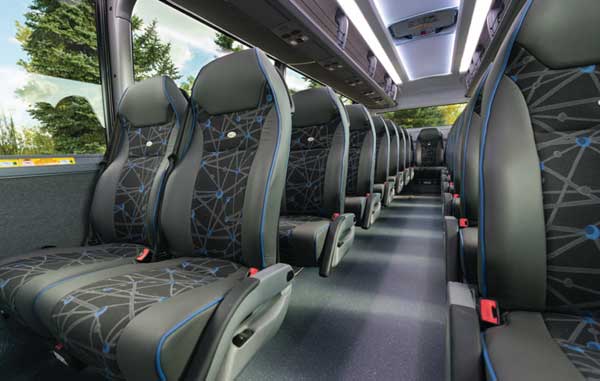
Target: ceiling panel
pixel 423 57
pixel 427 57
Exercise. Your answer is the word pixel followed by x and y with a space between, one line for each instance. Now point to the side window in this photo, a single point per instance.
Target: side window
pixel 51 99
pixel 298 82
pixel 168 42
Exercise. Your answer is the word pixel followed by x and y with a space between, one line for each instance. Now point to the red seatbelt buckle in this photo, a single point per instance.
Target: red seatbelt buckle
pixel 144 255
pixel 463 222
pixel 335 216
pixel 489 312
pixel 451 184
pixel 252 271
pixel 368 195
pixel 455 195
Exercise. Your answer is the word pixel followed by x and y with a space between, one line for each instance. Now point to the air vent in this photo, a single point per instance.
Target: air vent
pixel 425 25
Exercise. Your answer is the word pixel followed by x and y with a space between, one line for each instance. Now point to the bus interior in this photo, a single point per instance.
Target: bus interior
pixel 300 190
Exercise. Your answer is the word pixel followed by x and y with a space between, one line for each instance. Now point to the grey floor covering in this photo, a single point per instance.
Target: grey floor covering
pixel 381 314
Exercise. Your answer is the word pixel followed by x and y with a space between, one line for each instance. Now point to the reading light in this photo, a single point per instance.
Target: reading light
pixel 482 7
pixel 355 15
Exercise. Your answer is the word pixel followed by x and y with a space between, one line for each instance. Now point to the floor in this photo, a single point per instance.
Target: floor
pixel 381 314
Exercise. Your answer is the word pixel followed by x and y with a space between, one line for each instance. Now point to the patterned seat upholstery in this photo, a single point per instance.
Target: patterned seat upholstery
pixel 360 199
pixel 125 203
pixel 539 209
pixel 382 162
pixel 316 176
pixel 219 217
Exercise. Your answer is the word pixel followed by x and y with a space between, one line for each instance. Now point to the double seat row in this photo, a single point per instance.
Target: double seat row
pixel 183 281
pixel 522 210
pixel 198 205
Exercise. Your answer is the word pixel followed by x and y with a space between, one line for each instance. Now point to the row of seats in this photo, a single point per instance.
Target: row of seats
pixel 522 216
pixel 199 205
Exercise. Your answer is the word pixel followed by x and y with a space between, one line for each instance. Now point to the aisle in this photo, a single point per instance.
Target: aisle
pixel 380 316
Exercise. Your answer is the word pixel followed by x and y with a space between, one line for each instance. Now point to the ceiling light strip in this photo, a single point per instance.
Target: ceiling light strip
pixel 360 22
pixel 482 7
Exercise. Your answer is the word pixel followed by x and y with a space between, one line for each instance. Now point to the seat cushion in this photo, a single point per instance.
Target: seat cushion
pixel 301 239
pixel 523 349
pixel 579 338
pixel 121 321
pixel 23 278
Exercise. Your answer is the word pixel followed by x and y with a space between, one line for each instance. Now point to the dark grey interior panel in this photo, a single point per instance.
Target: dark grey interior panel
pixel 44 210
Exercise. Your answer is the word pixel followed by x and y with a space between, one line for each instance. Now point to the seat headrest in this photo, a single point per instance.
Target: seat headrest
pixel 151 102
pixel 231 83
pixel 315 106
pixel 562 34
pixel 359 117
pixel 430 134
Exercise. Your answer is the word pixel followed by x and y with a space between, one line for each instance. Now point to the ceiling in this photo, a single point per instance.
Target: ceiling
pixel 428 66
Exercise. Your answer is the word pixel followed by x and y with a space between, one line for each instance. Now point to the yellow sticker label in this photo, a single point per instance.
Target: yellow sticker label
pixel 36 162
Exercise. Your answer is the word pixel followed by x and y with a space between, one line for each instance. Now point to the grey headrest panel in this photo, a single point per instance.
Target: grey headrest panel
pixel 152 102
pixel 359 117
pixel 231 83
pixel 562 33
pixel 314 107
pixel 430 134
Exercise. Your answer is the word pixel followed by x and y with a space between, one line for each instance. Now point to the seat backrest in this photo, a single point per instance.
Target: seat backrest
pixel 461 137
pixel 382 146
pixel 408 145
pixel 449 152
pixel 222 199
pixel 429 147
pixel 401 146
pixel 318 165
pixel 540 162
pixel 128 192
pixel 395 144
pixel 361 154
pixel 469 188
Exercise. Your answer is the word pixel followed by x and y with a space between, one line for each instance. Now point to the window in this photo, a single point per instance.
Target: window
pixel 435 116
pixel 51 98
pixel 168 42
pixel 298 82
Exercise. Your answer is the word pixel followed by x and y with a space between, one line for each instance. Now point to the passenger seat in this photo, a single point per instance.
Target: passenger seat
pixel 314 230
pixel 430 148
pixel 396 175
pixel 539 214
pixel 125 204
pixel 204 313
pixel 382 163
pixel 360 199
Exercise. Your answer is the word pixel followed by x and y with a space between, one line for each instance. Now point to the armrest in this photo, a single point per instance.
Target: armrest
pixel 468 252
pixel 453 260
pixel 463 337
pixel 372 211
pixel 339 235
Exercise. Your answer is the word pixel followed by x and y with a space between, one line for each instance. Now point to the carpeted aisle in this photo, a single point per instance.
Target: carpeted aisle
pixel 380 316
